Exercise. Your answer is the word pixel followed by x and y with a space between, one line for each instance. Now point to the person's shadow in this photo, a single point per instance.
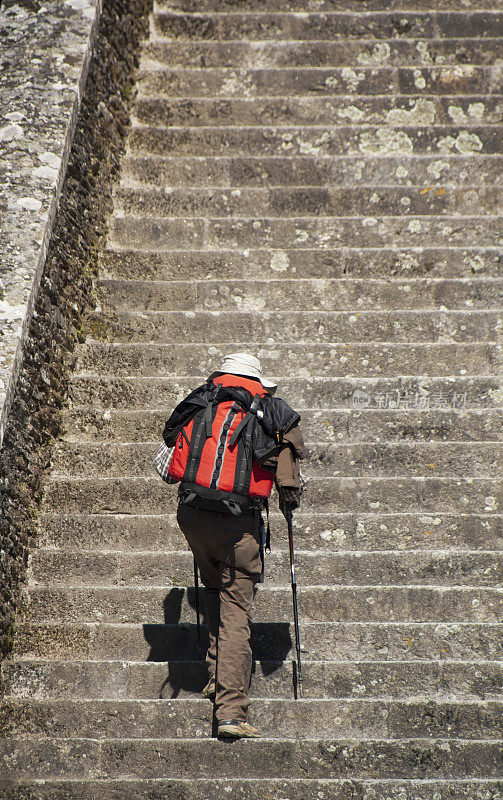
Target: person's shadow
pixel 176 643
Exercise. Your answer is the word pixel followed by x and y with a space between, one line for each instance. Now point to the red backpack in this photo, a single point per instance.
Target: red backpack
pixel 213 455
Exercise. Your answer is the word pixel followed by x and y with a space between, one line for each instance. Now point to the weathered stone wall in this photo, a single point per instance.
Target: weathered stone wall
pixel 65 290
pixel 45 51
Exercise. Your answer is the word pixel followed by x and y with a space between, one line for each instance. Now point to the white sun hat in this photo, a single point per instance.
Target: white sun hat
pixel 246 365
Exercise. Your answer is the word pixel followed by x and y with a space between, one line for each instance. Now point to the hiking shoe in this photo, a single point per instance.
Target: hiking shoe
pixel 236 729
pixel 209 690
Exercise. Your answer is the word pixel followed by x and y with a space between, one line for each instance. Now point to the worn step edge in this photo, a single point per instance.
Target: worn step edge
pixel 277 552
pixel 114 247
pixel 94 640
pixel 132 157
pixel 313 481
pixel 361 128
pixel 93 625
pixel 163 13
pixel 171 602
pixel 345 281
pixel 159 15
pixel 395 158
pixel 84 570
pixel 109 376
pixel 147 71
pixel 310 444
pixel 105 788
pixel 327 217
pixel 334 314
pixel 494 249
pixel 138 117
pixel 203 703
pixel 432 679
pixel 265 589
pixel 285 757
pixel 157 38
pixel 20 660
pixel 110 347
pixel 215 96
pixel 253 788
pixel 189 188
pixel 302 513
pixel 81 409
pixel 105 344
pixel 285 717
pixel 166 8
pixel 134 626
pixel 282 44
pixel 348 379
pixel 402 530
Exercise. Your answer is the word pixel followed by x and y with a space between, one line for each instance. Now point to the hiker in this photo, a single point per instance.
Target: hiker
pixel 232 439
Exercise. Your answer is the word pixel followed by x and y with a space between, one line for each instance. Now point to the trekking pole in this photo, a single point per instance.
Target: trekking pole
pixel 196 585
pixel 289 520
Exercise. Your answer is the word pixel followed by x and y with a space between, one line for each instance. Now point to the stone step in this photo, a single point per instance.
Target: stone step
pixel 366 532
pixel 358 359
pixel 353 642
pixel 440 171
pixel 87 425
pixel 320 6
pixel 406 680
pixel 152 233
pixel 105 393
pixel 456 459
pixel 327 26
pixel 254 264
pixel 82 568
pixel 347 494
pixel 268 297
pixel 149 604
pixel 329 109
pixel 281 82
pixel 307 201
pixel 164 327
pixel 314 140
pixel 254 789
pixel 283 758
pixel 176 719
pixel 365 51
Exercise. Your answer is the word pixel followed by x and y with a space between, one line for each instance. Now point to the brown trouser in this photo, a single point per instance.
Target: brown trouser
pixel 227 552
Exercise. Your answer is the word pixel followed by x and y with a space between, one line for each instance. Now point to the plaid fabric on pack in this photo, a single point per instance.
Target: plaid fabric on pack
pixel 163 460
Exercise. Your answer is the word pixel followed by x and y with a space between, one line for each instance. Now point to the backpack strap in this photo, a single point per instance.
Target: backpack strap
pixel 192 465
pixel 246 420
pixel 204 427
pixel 207 420
pixel 244 463
pixel 233 507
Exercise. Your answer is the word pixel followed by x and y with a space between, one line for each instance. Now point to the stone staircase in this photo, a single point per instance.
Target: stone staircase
pixel 320 183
